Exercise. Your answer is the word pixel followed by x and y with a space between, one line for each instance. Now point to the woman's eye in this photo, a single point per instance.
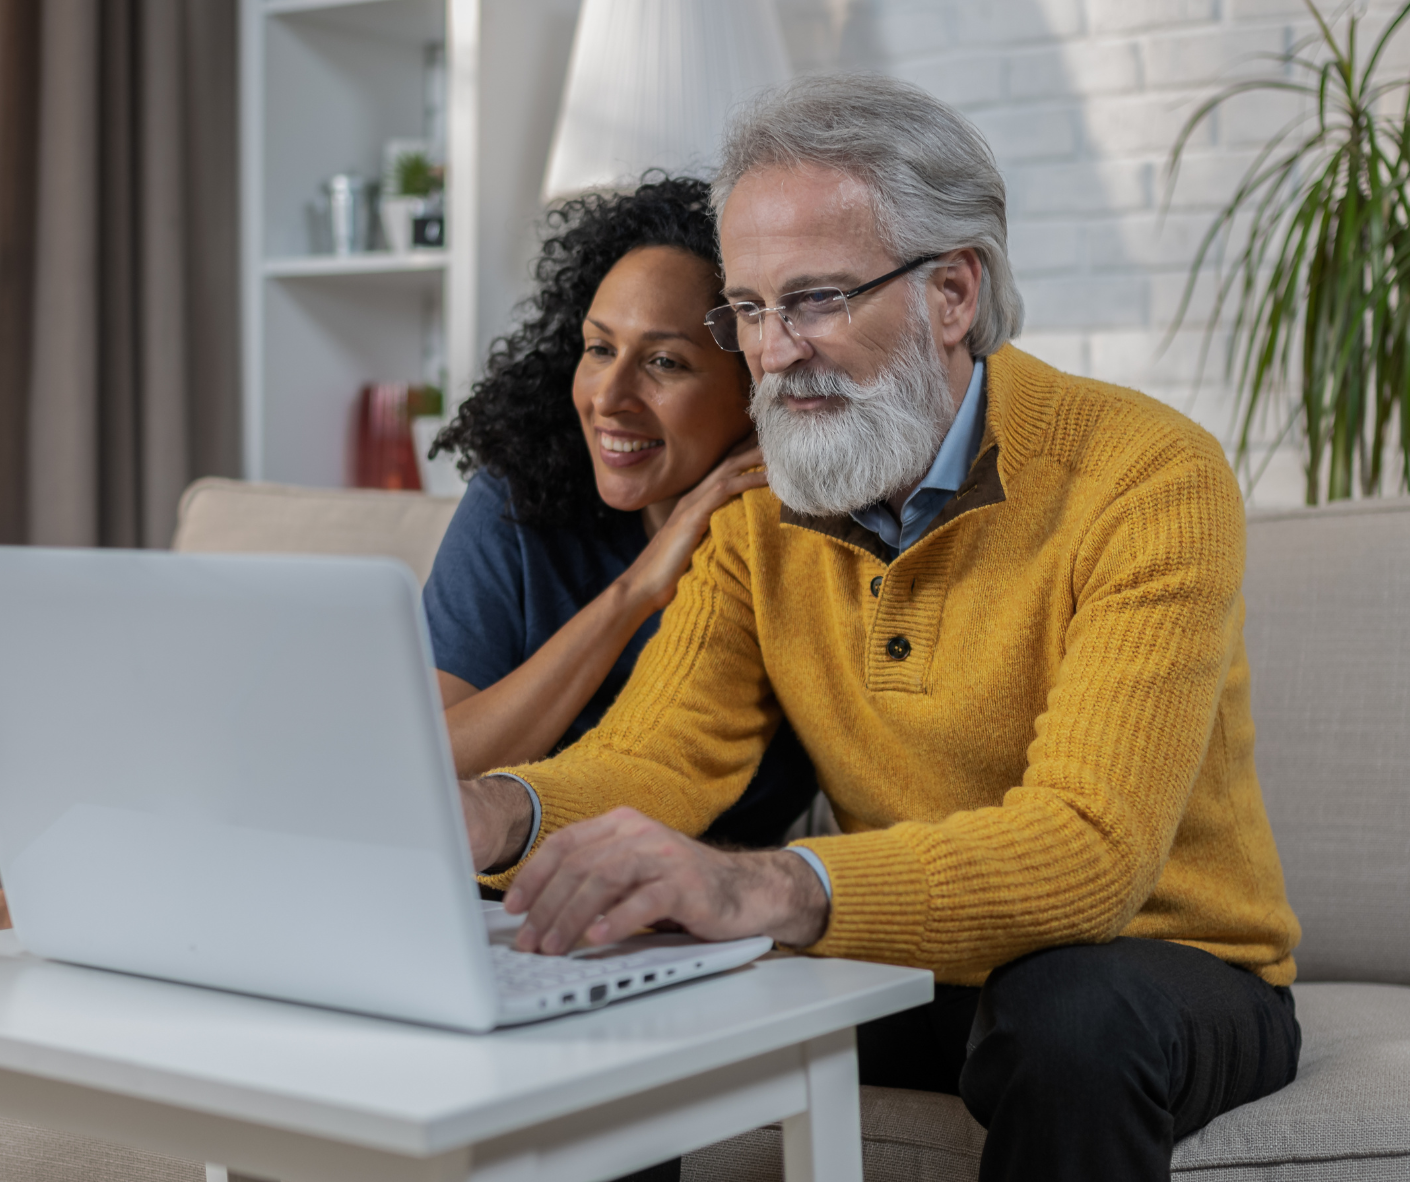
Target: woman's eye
pixel 597 351
pixel 665 363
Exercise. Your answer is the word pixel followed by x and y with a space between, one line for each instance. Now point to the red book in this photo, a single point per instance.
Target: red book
pixel 385 457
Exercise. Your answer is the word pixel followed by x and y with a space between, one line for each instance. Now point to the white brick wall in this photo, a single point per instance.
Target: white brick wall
pixel 1081 101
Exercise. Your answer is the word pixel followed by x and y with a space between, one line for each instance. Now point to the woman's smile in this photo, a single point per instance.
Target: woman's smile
pixel 621 450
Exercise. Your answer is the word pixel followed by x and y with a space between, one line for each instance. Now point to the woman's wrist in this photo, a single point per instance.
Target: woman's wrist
pixel 635 595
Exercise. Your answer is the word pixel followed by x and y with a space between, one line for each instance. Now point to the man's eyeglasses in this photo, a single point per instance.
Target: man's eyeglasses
pixel 810 314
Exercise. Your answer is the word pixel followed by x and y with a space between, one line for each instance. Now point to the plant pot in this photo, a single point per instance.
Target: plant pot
pixel 398 214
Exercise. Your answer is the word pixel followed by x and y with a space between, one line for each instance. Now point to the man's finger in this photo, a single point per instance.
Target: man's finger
pixel 540 869
pixel 648 904
pixel 587 885
pixel 606 857
pixel 545 912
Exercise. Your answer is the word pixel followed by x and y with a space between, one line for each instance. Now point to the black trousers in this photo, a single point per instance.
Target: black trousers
pixel 1088 1063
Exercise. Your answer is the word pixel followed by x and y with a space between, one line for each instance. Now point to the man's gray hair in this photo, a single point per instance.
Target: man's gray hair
pixel 933 182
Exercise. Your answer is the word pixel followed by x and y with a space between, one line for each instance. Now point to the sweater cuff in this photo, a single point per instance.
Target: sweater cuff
pixel 817 865
pixel 880 897
pixel 502 879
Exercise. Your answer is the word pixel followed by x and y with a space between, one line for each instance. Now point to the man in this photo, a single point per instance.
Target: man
pixel 1000 606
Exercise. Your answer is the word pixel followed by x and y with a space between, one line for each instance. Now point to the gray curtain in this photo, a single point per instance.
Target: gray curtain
pixel 19 39
pixel 121 264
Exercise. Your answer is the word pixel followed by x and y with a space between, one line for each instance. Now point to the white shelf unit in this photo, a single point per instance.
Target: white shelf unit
pixel 324 85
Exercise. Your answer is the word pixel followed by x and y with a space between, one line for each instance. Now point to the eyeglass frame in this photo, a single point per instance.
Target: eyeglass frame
pixel 862 289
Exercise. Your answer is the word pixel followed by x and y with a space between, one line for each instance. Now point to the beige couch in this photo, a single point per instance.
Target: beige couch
pixel 1328 635
pixel 231 517
pixel 1329 641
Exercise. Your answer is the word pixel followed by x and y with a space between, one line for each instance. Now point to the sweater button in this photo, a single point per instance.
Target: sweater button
pixel 898 647
pixel 876 585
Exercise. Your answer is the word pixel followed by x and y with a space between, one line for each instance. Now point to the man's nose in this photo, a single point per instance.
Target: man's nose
pixel 782 347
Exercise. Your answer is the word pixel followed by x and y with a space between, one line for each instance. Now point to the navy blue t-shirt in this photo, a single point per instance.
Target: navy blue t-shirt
pixel 499 590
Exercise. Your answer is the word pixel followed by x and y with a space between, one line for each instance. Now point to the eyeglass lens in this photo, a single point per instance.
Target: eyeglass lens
pixel 812 313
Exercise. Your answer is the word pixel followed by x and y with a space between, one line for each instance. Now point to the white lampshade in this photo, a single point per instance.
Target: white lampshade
pixel 650 83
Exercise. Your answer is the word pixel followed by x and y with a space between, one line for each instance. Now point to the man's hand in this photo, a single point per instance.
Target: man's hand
pixel 607 877
pixel 498 814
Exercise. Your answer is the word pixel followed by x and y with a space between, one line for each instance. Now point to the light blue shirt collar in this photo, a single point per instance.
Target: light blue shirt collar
pixel 952 464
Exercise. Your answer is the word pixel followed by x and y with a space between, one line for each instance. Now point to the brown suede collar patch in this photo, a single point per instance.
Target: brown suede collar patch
pixel 981 487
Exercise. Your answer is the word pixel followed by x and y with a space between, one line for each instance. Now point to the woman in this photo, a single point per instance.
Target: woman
pixel 609 427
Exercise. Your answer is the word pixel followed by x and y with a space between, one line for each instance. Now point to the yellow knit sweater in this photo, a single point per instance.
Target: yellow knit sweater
pixel 1033 725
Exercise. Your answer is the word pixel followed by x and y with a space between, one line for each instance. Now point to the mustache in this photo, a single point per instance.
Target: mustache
pixel 816 383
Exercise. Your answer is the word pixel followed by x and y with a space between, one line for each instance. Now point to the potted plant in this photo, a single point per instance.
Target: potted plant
pixel 416 185
pixel 1316 283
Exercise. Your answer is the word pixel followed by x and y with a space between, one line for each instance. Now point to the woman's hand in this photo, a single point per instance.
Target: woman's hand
pixel 520 717
pixel 652 578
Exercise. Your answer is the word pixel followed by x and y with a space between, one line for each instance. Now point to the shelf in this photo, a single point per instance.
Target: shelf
pixel 374 262
pixel 400 20
pixel 284 7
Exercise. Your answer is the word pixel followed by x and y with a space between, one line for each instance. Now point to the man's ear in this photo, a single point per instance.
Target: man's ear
pixel 952 293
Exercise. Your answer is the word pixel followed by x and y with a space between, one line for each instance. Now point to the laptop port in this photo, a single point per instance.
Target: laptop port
pixel 567 997
pixel 646 980
pixel 624 983
pixel 597 993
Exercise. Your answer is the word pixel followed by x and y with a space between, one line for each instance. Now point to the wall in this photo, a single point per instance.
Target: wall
pixel 521 86
pixel 1081 101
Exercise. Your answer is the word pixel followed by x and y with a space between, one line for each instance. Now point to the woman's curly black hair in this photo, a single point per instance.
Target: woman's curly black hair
pixel 519 422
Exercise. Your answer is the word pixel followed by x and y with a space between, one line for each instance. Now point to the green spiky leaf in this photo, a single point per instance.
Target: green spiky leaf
pixel 1315 295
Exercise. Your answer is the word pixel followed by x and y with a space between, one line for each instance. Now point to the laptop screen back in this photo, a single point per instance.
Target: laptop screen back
pixel 233 771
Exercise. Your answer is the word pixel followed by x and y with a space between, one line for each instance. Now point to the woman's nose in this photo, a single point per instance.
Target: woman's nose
pixel 617 391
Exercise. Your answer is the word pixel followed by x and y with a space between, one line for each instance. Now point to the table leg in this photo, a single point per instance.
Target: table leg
pixel 824 1143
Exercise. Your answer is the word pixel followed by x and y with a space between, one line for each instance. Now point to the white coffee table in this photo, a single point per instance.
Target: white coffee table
pixel 307 1095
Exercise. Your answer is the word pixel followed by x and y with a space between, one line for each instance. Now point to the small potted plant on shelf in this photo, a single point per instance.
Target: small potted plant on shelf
pixel 413 203
pixel 1317 280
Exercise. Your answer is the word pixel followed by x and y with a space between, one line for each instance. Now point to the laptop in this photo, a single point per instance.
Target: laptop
pixel 233 771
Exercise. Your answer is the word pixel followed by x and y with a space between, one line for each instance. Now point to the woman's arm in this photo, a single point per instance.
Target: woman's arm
pixel 519 718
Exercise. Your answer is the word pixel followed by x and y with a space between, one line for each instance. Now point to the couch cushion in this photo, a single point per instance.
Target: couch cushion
pixel 230 516
pixel 1345 1117
pixel 1328 638
pixel 29 1154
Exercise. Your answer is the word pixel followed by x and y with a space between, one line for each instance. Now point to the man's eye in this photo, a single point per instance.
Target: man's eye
pixel 818 298
pixel 749 312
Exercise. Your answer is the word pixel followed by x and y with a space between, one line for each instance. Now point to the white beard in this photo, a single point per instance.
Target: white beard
pixel 881 437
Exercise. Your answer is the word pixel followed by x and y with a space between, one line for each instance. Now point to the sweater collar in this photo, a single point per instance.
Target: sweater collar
pixel 1018 418
pixel 1019 415
pixel 983 486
